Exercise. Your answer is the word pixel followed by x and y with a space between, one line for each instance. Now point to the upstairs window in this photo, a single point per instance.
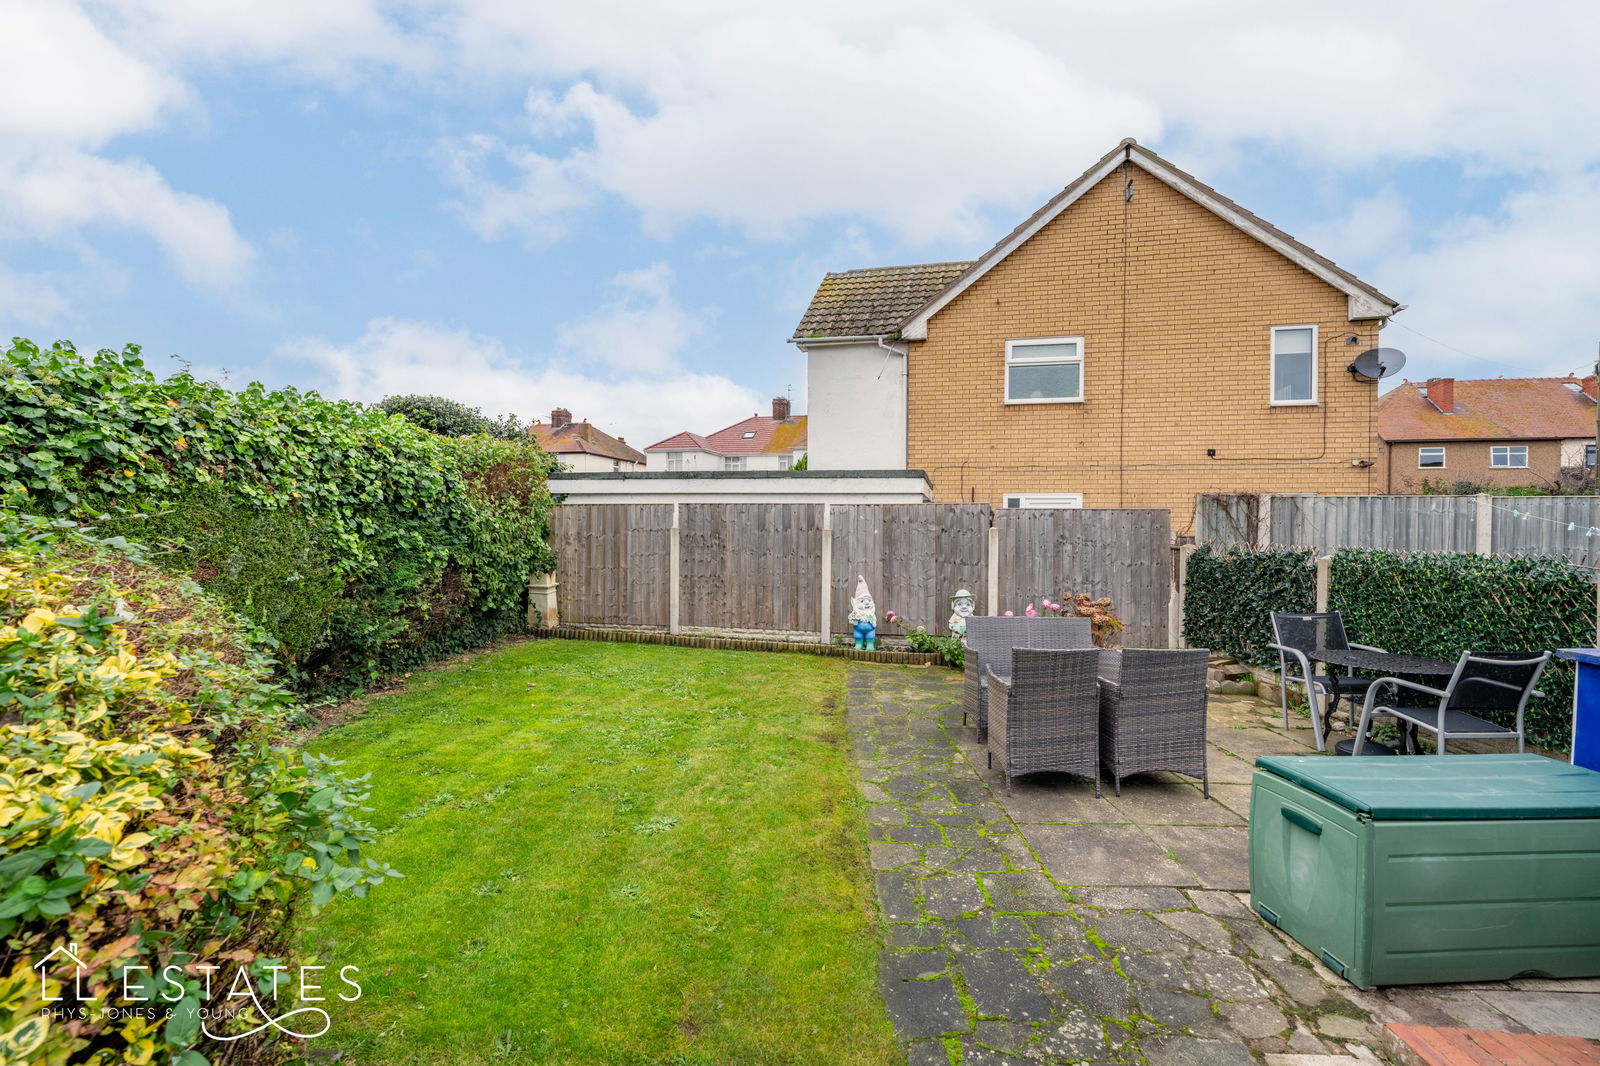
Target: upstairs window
pixel 674 460
pixel 1508 455
pixel 733 462
pixel 1430 457
pixel 1294 365
pixel 1046 370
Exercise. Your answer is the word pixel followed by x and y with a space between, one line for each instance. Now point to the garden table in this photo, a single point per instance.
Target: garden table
pixel 1389 664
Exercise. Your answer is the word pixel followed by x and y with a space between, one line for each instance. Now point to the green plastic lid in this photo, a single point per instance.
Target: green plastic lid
pixel 1453 787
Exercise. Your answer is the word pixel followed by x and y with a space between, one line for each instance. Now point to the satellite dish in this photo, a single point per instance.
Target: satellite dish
pixel 1375 363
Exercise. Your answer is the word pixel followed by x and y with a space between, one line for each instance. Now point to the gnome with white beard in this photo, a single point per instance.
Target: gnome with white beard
pixel 864 617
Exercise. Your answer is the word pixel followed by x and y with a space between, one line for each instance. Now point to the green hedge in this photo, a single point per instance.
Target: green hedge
pixel 1229 598
pixel 360 542
pixel 1441 604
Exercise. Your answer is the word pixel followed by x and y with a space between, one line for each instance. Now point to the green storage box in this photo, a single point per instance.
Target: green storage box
pixel 1428 869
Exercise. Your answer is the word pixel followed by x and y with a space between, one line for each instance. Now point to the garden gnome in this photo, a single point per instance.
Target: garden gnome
pixel 961 608
pixel 864 617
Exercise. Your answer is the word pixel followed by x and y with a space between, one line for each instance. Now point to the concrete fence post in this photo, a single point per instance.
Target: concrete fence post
pixel 1324 580
pixel 1264 522
pixel 1483 525
pixel 826 598
pixel 1180 574
pixel 674 592
pixel 542 607
pixel 994 568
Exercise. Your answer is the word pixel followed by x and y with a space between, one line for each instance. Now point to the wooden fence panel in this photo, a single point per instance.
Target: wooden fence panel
pixel 914 557
pixel 1556 525
pixel 751 566
pixel 1398 523
pixel 1123 554
pixel 612 563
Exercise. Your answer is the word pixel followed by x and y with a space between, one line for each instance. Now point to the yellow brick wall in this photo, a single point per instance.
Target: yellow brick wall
pixel 1175 307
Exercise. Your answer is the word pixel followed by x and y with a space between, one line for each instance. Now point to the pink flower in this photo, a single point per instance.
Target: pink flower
pixel 890 615
pixel 1030 612
pixel 1008 614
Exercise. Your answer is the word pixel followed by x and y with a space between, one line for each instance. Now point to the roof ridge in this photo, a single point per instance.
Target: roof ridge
pixel 903 266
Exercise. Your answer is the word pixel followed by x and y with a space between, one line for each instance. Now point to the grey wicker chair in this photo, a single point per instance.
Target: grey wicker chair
pixel 1045 716
pixel 1153 713
pixel 1485 682
pixel 990 639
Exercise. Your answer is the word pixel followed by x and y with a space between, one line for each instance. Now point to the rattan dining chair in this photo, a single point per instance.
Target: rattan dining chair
pixel 1046 715
pixel 1153 713
pixel 1294 637
pixel 1484 683
pixel 990 639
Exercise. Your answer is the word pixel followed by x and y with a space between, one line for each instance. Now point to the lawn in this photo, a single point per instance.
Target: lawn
pixel 613 853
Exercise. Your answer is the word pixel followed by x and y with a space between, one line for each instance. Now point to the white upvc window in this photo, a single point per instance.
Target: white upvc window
pixel 1431 457
pixel 785 462
pixel 1044 370
pixel 674 460
pixel 1508 455
pixel 1588 454
pixel 733 462
pixel 1037 500
pixel 1294 365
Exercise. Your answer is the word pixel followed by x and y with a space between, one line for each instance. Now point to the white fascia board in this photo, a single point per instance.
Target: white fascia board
pixel 1362 304
pixel 917 328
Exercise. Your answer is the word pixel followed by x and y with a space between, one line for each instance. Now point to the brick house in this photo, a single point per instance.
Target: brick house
pixel 1138 340
pixel 584 447
pixel 759 442
pixel 1495 431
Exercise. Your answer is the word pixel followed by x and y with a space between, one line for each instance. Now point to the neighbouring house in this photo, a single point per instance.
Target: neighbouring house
pixel 1139 339
pixel 583 447
pixel 759 442
pixel 1494 431
pixel 744 486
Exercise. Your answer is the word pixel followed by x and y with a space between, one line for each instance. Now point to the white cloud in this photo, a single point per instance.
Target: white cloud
pixel 28 300
pixel 57 193
pixel 1519 290
pixel 640 334
pixel 642 329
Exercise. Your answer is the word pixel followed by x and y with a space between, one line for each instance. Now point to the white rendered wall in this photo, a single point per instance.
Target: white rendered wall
pixel 582 462
pixel 856 403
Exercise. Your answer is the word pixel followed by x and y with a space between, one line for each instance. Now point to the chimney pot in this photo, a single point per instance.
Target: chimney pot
pixel 780 408
pixel 1442 394
pixel 560 417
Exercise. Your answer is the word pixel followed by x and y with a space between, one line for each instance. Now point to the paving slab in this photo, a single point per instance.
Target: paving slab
pixel 1106 855
pixel 1554 1013
pixel 1150 802
pixel 1217 856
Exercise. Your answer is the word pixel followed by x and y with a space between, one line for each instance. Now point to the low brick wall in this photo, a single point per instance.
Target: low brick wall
pixel 688 640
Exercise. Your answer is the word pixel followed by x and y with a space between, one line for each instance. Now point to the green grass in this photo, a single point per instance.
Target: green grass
pixel 613 853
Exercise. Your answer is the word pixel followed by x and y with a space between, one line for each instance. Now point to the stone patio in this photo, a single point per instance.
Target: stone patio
pixel 1049 926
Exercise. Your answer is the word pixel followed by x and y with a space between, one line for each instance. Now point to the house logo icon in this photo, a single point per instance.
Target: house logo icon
pixel 69 954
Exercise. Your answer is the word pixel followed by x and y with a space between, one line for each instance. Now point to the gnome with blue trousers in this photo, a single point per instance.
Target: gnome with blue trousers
pixel 864 617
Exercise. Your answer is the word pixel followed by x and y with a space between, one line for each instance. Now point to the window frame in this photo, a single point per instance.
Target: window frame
pixel 735 462
pixel 1440 465
pixel 1508 449
pixel 1029 342
pixel 676 461
pixel 1589 455
pixel 1022 499
pixel 1272 366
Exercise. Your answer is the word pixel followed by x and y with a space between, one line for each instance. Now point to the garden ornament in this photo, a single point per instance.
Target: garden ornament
pixel 864 617
pixel 961 608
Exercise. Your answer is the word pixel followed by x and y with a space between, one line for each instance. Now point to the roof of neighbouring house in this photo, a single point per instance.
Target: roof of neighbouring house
pixel 767 435
pixel 581 438
pixel 1491 409
pixel 872 302
pixel 900 300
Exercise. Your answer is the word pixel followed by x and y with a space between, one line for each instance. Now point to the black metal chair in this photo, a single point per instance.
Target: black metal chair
pixel 1299 637
pixel 1485 682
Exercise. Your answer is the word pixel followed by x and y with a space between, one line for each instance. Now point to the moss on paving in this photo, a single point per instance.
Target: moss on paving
pixel 614 853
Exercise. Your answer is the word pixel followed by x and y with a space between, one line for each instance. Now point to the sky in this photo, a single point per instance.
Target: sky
pixel 622 208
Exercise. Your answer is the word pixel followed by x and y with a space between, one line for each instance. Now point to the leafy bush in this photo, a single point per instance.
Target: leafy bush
pixel 450 418
pixel 1440 604
pixel 1229 599
pixel 148 816
pixel 950 650
pixel 361 542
